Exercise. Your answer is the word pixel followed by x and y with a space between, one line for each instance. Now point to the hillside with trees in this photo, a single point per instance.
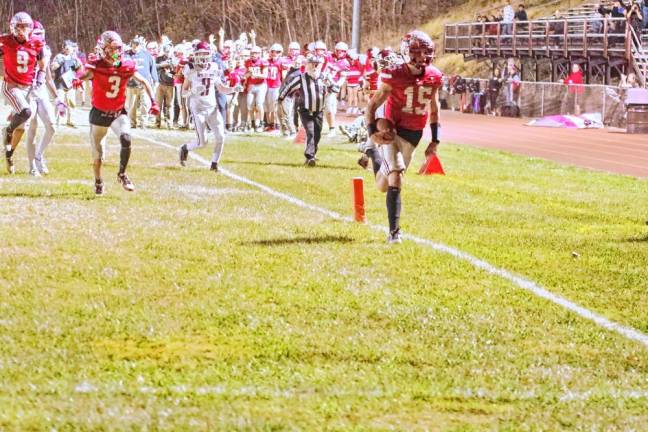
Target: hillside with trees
pixel 272 20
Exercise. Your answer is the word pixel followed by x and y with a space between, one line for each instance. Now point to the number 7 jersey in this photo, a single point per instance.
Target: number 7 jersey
pixel 109 83
pixel 407 104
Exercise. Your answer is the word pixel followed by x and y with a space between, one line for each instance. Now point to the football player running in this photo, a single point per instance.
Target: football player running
pixel 24 66
pixel 202 78
pixel 409 92
pixel 110 74
pixel 44 112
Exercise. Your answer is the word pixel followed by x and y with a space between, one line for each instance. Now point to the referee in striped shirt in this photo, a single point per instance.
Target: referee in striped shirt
pixel 311 93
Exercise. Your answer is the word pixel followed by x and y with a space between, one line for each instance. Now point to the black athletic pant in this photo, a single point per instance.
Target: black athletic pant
pixel 312 122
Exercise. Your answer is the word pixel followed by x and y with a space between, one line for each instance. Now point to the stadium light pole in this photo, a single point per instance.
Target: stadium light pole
pixel 355 24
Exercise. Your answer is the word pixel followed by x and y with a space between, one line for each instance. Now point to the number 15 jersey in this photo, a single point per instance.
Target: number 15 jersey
pixel 109 83
pixel 407 104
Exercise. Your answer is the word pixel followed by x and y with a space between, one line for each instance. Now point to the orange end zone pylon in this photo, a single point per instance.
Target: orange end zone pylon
pixel 300 138
pixel 432 165
pixel 358 200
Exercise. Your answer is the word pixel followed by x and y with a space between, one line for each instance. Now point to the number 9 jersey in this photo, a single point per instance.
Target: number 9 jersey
pixel 20 59
pixel 109 83
pixel 407 104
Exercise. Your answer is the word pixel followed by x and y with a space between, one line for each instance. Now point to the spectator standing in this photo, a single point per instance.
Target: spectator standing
pixel 557 28
pixel 513 84
pixel 521 16
pixel 164 92
pixel 493 89
pixel 136 100
pixel 575 87
pixel 508 14
pixel 634 18
pixel 644 12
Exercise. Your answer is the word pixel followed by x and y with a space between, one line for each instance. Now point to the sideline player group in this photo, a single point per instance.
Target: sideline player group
pixel 229 87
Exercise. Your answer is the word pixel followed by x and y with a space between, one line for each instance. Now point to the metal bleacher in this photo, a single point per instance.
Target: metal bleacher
pixel 605 48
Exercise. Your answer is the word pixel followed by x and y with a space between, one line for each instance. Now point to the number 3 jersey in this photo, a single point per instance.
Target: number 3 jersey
pixel 109 83
pixel 407 104
pixel 202 81
pixel 20 59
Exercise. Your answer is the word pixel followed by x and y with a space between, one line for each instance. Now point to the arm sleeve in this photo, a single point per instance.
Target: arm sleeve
pixel 290 87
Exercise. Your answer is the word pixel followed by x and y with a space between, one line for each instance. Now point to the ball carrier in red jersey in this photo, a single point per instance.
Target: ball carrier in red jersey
pixel 24 69
pixel 110 74
pixel 409 92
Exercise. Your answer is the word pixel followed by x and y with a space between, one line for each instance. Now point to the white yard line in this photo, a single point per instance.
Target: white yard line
pixel 521 282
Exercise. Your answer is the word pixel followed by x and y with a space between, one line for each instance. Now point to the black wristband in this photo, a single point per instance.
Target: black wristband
pixel 372 128
pixel 434 127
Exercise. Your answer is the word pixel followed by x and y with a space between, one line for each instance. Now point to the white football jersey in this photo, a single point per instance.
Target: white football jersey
pixel 203 93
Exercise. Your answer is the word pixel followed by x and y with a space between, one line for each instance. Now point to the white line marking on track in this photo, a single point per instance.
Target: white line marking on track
pixel 525 284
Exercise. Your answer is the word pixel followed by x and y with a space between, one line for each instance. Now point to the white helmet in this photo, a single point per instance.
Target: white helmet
pixel 341 46
pixel 276 47
pixel 21 19
pixel 110 46
pixel 294 46
pixel 202 55
pixel 319 45
pixel 152 46
pixel 228 43
pixel 255 49
pixel 245 53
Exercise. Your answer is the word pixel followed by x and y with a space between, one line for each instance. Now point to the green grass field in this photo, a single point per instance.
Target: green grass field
pixel 202 303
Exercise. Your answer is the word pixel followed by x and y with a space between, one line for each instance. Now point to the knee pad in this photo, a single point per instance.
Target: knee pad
pixel 24 114
pixel 125 140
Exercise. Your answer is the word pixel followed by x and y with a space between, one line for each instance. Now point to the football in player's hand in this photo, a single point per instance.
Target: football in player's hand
pixel 385 132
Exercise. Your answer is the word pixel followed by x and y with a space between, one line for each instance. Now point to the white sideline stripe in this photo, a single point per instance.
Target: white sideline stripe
pixel 526 284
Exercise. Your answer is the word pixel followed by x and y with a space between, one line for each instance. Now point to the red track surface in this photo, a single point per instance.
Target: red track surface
pixel 597 149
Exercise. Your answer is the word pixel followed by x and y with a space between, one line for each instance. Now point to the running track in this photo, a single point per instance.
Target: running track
pixel 597 149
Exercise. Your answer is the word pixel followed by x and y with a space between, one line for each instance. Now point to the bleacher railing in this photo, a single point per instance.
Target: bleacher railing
pixel 594 36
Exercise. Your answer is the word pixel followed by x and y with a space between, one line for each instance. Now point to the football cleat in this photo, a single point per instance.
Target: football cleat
pixel 41 166
pixel 331 132
pixel 11 169
pixel 99 187
pixel 125 182
pixel 310 162
pixel 34 172
pixel 395 237
pixel 184 153
pixel 214 167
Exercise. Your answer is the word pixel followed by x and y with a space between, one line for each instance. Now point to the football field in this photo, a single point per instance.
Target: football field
pixel 248 300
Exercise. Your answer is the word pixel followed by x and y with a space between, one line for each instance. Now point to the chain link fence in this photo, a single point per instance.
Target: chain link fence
pixel 539 99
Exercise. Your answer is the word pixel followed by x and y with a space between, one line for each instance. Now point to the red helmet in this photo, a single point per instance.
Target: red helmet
pixel 417 48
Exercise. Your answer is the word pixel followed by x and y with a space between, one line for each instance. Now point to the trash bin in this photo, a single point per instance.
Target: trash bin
pixel 637 109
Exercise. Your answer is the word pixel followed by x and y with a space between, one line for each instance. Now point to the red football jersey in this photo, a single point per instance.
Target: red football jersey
pixel 178 77
pixel 234 76
pixel 354 73
pixel 255 67
pixel 109 83
pixel 20 59
pixel 274 73
pixel 371 75
pixel 339 67
pixel 407 104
